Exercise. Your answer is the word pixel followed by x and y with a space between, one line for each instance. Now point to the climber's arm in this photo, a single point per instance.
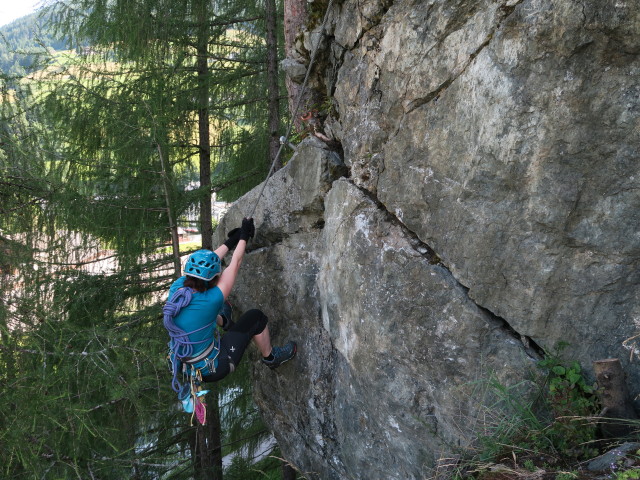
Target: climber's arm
pixel 229 275
pixel 229 244
pixel 221 251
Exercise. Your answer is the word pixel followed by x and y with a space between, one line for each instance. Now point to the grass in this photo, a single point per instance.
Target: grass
pixel 544 430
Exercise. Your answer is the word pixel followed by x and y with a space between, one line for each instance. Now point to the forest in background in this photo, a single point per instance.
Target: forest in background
pixel 22 40
pixel 118 123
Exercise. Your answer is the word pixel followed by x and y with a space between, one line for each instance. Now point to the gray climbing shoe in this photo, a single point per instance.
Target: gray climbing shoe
pixel 281 355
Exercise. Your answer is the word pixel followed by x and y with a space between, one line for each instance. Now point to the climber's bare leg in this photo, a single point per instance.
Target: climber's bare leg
pixel 263 342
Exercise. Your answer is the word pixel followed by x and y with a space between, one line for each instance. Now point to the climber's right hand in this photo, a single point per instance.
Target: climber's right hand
pixel 248 229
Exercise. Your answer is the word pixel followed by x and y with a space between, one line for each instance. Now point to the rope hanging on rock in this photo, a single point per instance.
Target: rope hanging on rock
pixel 284 140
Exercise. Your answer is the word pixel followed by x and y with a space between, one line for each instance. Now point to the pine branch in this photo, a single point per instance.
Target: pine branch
pixel 112 167
pixel 197 147
pixel 112 402
pixel 245 102
pixel 226 23
pixel 248 74
pixel 126 207
pixel 237 45
pixel 78 264
pixel 117 400
pixel 222 186
pixel 244 439
pixel 16 185
pixel 235 60
pixel 20 207
pixel 180 437
pixel 42 352
pixel 229 69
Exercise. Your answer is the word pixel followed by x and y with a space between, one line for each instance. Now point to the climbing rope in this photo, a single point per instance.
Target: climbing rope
pixel 180 344
pixel 191 394
pixel 284 140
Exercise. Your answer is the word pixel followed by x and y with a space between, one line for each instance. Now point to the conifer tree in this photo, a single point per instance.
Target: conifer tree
pixel 80 348
pixel 102 163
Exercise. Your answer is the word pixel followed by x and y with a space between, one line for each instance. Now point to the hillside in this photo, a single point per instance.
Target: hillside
pixel 22 39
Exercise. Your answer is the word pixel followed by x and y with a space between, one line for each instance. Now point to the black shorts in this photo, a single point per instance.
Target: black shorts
pixel 235 342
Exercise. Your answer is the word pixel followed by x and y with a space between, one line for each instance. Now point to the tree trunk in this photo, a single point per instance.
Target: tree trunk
pixel 173 227
pixel 214 431
pixel 207 452
pixel 615 399
pixel 202 67
pixel 295 15
pixel 272 82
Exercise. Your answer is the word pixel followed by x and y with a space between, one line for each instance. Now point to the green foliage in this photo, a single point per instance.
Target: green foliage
pixel 118 195
pixel 237 175
pixel 268 468
pixel 23 42
pixel 244 434
pixel 84 227
pixel 572 402
pixel 566 476
pixel 518 426
pixel 553 418
pixel 81 380
pixel 630 474
pixel 234 85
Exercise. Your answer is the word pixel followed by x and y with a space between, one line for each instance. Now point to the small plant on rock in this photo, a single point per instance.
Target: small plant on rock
pixel 566 476
pixel 572 403
pixel 634 474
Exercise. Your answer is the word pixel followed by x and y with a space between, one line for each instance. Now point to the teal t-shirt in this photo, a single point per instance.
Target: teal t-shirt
pixel 202 310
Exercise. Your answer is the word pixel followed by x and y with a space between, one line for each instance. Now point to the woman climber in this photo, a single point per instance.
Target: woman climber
pixel 197 304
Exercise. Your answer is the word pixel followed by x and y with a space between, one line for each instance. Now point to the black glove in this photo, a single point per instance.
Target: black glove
pixel 234 238
pixel 248 229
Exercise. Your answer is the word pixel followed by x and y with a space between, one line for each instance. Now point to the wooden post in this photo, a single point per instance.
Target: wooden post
pixel 613 393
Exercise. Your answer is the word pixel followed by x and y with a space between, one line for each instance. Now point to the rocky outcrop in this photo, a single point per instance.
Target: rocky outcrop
pixel 486 208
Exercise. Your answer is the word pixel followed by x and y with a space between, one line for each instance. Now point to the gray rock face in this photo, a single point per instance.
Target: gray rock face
pixel 513 129
pixel 387 337
pixel 488 202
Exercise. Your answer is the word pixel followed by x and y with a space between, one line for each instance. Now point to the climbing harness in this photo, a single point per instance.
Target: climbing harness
pixel 284 140
pixel 180 358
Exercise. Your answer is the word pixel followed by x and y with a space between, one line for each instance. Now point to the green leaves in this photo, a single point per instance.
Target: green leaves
pixel 571 401
pixel 84 229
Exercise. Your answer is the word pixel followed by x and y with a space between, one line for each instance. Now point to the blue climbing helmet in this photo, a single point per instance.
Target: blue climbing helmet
pixel 203 264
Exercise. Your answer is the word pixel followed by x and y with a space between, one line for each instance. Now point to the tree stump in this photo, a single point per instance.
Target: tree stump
pixel 288 472
pixel 614 396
